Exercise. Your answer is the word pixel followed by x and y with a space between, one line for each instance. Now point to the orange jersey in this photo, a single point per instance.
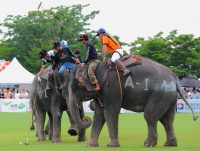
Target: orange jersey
pixel 111 43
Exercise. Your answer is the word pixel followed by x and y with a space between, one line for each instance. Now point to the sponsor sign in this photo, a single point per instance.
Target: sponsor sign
pixel 182 107
pixel 14 105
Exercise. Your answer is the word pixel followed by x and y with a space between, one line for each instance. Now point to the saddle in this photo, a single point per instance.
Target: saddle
pixel 129 60
pixel 46 73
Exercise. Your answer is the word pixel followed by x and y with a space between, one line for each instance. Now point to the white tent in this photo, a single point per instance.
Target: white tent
pixel 15 74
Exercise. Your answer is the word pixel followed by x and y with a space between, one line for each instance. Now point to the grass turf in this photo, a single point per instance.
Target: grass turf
pixel 14 128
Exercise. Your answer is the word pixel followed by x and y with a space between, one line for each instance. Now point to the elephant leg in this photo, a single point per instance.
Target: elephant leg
pixel 40 125
pixel 47 128
pixel 56 127
pixel 73 130
pixel 167 120
pixel 81 134
pixel 154 110
pixel 111 113
pixel 50 125
pixel 97 125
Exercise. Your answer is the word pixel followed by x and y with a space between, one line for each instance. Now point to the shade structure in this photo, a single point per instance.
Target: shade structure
pixel 15 74
pixel 190 81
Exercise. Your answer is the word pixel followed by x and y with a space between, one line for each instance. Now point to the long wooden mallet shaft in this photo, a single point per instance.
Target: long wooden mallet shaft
pixel 56 20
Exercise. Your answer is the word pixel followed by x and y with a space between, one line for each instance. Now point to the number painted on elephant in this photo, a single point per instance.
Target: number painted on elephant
pixel 168 87
pixel 164 85
pixel 146 80
pixel 129 82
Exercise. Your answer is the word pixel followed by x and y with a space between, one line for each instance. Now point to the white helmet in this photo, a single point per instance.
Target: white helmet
pixel 64 43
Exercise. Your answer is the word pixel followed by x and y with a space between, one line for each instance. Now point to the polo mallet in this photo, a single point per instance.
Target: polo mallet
pixel 26 143
pixel 56 19
pixel 75 60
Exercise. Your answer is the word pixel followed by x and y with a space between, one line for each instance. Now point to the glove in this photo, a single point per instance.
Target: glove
pixel 39 79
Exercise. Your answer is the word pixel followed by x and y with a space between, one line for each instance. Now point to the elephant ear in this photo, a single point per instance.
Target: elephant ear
pixel 82 77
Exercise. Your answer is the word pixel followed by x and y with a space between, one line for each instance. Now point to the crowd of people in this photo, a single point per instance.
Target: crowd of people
pixel 191 93
pixel 12 94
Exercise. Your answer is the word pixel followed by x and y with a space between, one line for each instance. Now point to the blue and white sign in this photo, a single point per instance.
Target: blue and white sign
pixel 182 107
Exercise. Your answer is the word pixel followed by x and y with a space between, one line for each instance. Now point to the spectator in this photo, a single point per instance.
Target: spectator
pixel 185 94
pixel 7 95
pixel 18 94
pixel 78 54
pixel 190 93
pixel 194 95
pixel 2 94
pixel 198 93
pixel 18 89
pixel 24 94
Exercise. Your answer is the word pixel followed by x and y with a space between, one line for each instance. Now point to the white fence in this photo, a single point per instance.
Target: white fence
pixel 23 105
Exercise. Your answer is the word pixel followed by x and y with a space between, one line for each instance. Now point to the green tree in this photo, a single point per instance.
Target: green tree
pixel 179 53
pixel 28 34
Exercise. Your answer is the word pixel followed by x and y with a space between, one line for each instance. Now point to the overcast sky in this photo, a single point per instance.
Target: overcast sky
pixel 127 19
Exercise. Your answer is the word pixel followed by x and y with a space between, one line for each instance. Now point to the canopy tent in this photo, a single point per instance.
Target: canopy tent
pixel 15 74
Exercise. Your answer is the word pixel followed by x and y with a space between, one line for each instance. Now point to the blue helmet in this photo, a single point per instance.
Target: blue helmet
pixel 64 43
pixel 101 30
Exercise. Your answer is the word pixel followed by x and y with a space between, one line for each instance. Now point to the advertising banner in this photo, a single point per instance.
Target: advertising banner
pixel 182 107
pixel 14 105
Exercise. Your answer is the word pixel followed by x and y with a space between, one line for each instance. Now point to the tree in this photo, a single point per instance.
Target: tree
pixel 179 53
pixel 29 34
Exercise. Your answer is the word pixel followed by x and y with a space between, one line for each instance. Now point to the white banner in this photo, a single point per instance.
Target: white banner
pixel 86 107
pixel 14 105
pixel 182 107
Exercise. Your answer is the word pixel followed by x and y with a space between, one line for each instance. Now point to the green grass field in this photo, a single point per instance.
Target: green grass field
pixel 14 128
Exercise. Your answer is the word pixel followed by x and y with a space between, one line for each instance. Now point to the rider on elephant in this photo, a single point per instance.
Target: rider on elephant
pixel 47 57
pixel 63 56
pixel 112 46
pixel 92 57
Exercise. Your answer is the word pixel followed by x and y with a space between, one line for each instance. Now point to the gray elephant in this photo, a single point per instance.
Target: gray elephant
pixel 53 104
pixel 150 88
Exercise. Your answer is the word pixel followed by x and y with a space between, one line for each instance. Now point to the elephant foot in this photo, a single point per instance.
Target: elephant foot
pixel 171 143
pixel 73 131
pixel 82 139
pixel 113 145
pixel 56 141
pixel 92 145
pixel 42 140
pixel 147 143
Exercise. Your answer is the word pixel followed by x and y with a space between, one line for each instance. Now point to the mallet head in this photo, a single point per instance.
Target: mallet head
pixel 39 5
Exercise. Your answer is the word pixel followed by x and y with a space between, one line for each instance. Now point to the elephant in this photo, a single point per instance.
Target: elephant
pixel 150 88
pixel 54 105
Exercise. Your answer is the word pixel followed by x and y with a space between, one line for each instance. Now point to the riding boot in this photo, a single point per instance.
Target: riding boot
pixel 121 65
pixel 48 82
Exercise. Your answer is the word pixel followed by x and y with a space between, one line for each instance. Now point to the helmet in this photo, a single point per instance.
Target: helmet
pixel 63 43
pixel 83 37
pixel 101 30
pixel 42 54
pixel 56 44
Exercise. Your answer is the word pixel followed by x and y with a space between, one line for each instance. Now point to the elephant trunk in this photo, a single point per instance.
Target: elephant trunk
pixel 85 122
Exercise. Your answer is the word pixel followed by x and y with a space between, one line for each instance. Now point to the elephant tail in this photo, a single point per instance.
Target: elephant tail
pixel 181 94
